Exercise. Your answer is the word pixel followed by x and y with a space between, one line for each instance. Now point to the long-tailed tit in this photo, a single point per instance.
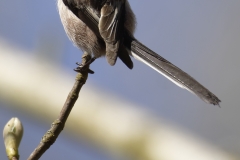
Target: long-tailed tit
pixel 106 27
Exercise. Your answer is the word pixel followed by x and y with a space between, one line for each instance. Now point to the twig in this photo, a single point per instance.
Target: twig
pixel 57 126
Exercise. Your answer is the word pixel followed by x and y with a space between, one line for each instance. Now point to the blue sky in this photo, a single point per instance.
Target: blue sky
pixel 200 37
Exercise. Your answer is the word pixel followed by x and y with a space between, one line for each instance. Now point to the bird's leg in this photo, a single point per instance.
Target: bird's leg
pixel 84 65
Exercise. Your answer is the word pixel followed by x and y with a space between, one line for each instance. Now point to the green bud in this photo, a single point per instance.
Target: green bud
pixel 12 135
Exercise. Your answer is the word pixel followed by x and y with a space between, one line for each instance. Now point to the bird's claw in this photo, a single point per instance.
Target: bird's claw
pixel 83 68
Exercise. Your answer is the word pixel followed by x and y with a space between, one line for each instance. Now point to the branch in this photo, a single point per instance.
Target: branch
pixel 57 126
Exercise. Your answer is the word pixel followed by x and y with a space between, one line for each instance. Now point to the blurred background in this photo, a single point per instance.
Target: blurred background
pixel 124 114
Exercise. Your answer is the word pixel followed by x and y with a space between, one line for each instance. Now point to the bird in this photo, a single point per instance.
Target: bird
pixel 106 28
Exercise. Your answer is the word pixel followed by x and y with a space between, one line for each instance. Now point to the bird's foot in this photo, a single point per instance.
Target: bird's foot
pixel 84 67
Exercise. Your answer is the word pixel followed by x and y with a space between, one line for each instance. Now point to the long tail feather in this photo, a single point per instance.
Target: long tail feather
pixel 170 71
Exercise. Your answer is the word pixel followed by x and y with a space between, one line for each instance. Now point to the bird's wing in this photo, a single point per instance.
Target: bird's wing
pixel 111 27
pixel 85 14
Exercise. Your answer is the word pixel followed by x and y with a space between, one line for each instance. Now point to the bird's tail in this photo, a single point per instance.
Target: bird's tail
pixel 170 71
